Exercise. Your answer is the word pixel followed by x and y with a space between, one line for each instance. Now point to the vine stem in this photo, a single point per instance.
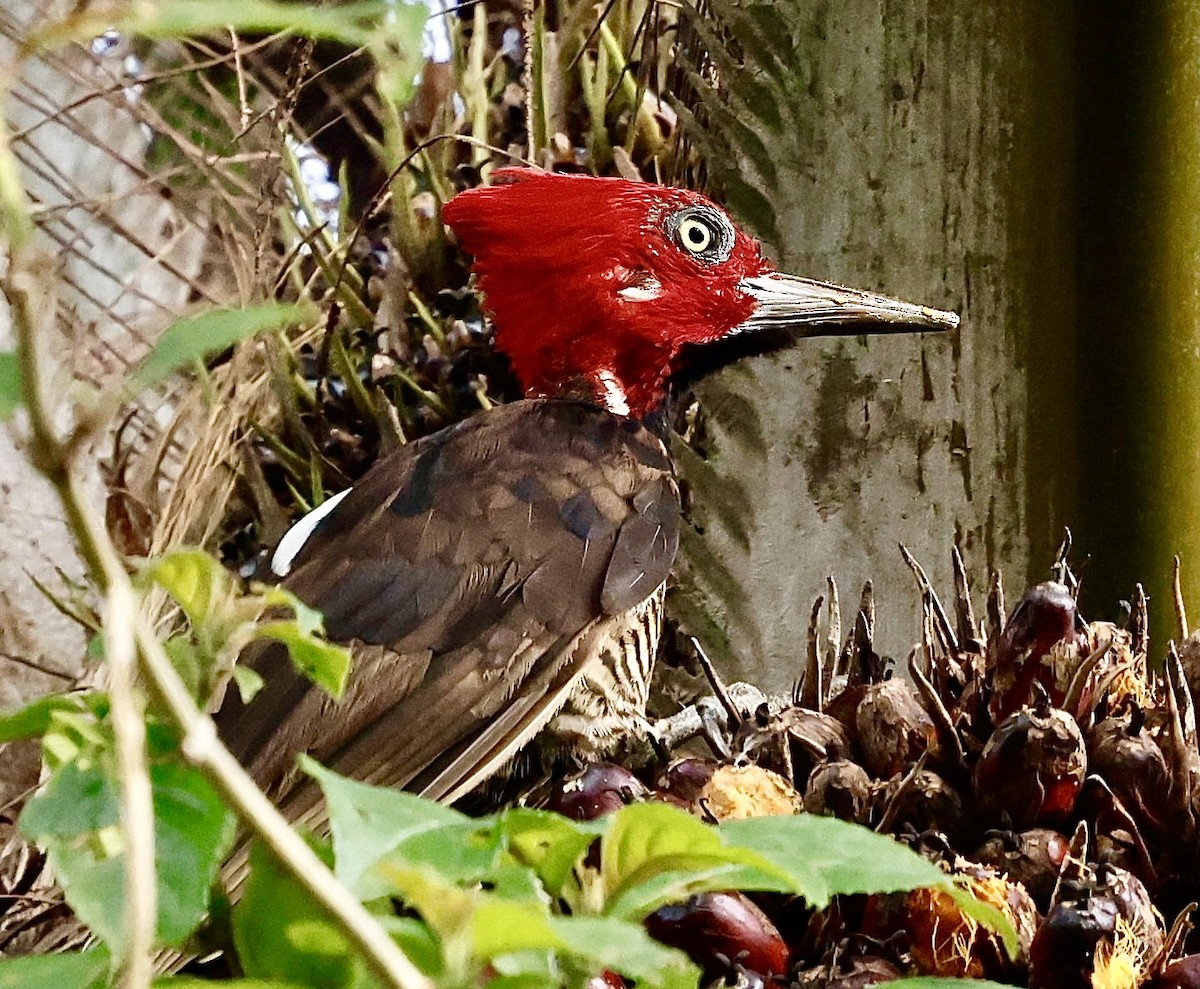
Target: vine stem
pixel 132 646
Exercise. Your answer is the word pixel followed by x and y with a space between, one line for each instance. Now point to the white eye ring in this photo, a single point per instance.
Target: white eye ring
pixel 702 232
pixel 695 235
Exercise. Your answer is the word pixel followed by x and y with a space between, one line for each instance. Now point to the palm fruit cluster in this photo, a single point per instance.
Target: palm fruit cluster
pixel 1031 753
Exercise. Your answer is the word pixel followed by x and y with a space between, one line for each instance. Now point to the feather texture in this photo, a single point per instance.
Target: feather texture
pixel 474 573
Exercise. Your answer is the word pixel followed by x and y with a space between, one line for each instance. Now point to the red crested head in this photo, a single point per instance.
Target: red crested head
pixel 597 285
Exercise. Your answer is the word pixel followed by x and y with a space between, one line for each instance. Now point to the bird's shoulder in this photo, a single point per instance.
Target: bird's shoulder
pixel 571 509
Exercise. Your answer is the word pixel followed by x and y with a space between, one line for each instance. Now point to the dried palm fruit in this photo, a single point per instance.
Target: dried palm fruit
pixel 593 791
pixel 736 792
pixel 1032 858
pixel 893 729
pixel 1123 752
pixel 839 789
pixel 943 941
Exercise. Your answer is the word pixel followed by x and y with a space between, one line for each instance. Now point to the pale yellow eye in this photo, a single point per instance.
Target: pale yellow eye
pixel 695 236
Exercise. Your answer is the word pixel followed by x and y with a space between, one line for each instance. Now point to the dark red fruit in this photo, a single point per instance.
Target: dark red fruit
pixel 1122 751
pixel 684 780
pixel 920 802
pixel 597 789
pixel 608 979
pixel 1043 618
pixel 1032 858
pixel 1032 767
pixel 1182 973
pixel 719 931
pixel 1103 920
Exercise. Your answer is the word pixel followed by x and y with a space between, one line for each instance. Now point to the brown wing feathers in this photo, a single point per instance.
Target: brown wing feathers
pixel 465 570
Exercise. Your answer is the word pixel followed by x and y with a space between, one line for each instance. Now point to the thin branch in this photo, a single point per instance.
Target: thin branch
pixel 201 746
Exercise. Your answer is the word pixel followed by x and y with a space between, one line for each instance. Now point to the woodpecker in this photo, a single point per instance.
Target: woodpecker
pixel 504 577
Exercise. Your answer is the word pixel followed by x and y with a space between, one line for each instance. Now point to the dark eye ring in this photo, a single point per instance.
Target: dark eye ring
pixel 702 232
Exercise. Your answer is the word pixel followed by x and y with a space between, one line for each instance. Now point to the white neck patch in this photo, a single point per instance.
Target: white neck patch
pixel 615 399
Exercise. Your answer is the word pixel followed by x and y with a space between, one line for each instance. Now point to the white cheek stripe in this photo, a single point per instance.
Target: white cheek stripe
pixel 615 399
pixel 294 539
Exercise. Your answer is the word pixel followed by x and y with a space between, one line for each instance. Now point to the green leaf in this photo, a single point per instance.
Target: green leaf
pixel 74 802
pixel 325 663
pixel 369 825
pixel 75 818
pixel 282 934
pixel 654 853
pixel 10 384
pixel 248 682
pixel 193 831
pixel 34 720
pixel 191 339
pixel 86 970
pixel 845 858
pixel 189 982
pixel 550 844
pixel 194 579
pixel 606 942
pixel 351 22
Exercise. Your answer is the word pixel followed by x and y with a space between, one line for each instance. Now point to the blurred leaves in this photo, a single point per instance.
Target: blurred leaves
pixel 10 384
pixel 75 817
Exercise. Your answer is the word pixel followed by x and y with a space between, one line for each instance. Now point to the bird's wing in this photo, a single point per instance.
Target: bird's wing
pixel 467 570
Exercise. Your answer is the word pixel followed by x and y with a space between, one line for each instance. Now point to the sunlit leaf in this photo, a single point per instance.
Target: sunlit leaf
pixel 10 384
pixel 189 339
pixel 282 933
pixel 86 970
pixel 654 853
pixel 368 824
pixel 325 663
pixel 548 843
pixel 33 720
pixel 193 830
pixel 194 579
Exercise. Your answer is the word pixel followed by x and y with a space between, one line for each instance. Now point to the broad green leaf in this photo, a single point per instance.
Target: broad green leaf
pixel 325 663
pixel 353 23
pixel 194 579
pixel 193 832
pixel 282 934
pixel 417 941
pixel 10 384
pixel 75 817
pixel 86 970
pixel 196 336
pixel 845 858
pixel 34 720
pixel 624 947
pixel 550 844
pixel 991 917
pixel 654 853
pixel 248 682
pixel 369 823
pixel 190 982
pixel 74 802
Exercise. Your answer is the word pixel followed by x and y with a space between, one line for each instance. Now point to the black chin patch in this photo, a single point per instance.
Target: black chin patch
pixel 698 361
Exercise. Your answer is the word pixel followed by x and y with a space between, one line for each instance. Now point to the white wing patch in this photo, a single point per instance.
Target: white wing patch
pixel 294 539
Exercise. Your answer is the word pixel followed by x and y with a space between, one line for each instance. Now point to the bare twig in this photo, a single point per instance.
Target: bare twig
pixel 130 635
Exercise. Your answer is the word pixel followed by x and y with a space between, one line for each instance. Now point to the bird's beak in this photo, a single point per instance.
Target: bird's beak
pixel 808 308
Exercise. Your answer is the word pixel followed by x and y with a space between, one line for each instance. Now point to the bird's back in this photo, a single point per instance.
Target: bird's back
pixel 476 574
